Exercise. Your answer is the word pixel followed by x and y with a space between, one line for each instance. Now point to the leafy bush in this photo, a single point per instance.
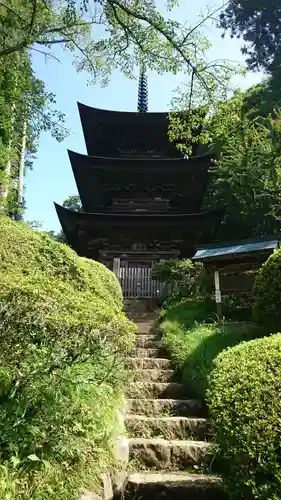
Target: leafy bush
pixel 245 405
pixel 267 293
pixel 237 307
pixel 184 277
pixel 194 350
pixel 63 336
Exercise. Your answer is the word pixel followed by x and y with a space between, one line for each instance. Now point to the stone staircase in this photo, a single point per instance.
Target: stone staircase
pixel 169 436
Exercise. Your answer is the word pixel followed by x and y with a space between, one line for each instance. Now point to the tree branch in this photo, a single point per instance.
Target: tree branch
pixel 206 18
pixel 46 54
pixel 33 17
pixel 163 32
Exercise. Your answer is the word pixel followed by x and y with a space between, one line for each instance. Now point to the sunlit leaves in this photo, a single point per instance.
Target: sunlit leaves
pixel 247 182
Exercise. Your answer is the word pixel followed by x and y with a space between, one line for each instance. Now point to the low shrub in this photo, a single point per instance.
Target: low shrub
pixel 267 294
pixel 237 307
pixel 245 406
pixel 63 338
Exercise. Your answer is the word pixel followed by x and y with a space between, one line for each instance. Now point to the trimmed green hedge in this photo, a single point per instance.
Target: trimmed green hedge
pixel 25 250
pixel 267 294
pixel 63 339
pixel 245 404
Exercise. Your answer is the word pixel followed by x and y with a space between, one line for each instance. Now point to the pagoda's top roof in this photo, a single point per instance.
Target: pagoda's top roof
pixel 124 116
pixel 125 133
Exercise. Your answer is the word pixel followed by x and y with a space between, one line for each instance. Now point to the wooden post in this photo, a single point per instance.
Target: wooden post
pixel 218 294
pixel 116 267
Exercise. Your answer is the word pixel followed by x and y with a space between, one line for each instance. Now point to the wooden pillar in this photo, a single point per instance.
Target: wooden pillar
pixel 218 295
pixel 116 267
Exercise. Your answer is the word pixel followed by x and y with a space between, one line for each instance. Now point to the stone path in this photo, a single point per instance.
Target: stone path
pixel 168 433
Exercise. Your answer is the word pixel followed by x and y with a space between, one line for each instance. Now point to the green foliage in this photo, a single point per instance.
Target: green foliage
pixel 245 133
pixel 175 270
pixel 267 293
pixel 258 24
pixel 194 347
pixel 73 202
pixel 189 312
pixel 183 277
pixel 57 432
pixel 64 337
pixel 237 307
pixel 28 251
pixel 138 33
pixel 23 101
pixel 246 413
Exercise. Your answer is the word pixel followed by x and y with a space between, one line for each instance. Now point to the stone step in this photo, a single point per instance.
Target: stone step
pixel 153 375
pixel 152 390
pixel 140 352
pixel 149 342
pixel 179 485
pixel 167 427
pixel 154 407
pixel 149 363
pixel 162 454
pixel 148 336
pixel 145 325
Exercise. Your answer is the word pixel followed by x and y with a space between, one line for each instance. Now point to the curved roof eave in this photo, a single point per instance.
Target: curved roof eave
pixel 108 114
pixel 219 212
pixel 91 161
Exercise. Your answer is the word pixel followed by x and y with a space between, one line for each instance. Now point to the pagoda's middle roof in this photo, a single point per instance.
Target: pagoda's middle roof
pixel 96 176
pixel 82 161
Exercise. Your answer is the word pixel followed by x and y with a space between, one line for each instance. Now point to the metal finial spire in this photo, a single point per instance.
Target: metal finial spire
pixel 143 92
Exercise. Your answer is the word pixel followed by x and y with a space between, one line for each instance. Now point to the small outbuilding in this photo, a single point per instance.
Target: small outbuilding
pixel 235 264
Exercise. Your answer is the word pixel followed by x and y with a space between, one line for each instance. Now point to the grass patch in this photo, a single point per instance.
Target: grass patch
pixel 189 312
pixel 194 346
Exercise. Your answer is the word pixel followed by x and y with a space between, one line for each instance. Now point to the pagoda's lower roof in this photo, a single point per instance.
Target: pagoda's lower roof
pixel 112 219
pixel 85 230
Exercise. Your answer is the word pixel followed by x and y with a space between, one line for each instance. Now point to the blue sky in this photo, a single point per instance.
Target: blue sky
pixel 51 178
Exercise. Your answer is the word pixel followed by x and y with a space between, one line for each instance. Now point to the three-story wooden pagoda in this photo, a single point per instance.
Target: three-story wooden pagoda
pixel 141 199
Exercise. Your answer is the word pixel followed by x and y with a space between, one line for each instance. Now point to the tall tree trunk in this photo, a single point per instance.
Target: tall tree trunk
pixel 4 188
pixel 21 167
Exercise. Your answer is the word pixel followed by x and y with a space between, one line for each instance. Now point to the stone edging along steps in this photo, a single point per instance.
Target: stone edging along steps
pixel 169 438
